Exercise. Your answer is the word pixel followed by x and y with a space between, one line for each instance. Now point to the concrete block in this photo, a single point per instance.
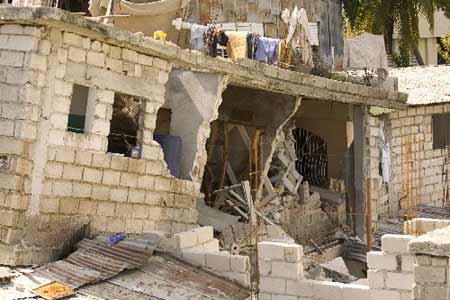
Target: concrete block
pixel 77 55
pixel 146 182
pixel 381 261
pixel 72 39
pixel 136 196
pixel 88 207
pixel 211 246
pixel 49 205
pixel 376 279
pixel 407 263
pixel 162 184
pixel 286 270
pixel 62 188
pixel 272 250
pixel 63 89
pixel 130 55
pixel 195 257
pixel 384 295
pixel 111 177
pixel 399 281
pixel 272 285
pixel 293 253
pixel 326 290
pixel 426 275
pixel 240 263
pixel 92 175
pixel 218 261
pixel 83 158
pixel 11 58
pixel 423 260
pixel 393 243
pixel 11 29
pixel 54 170
pixel 129 180
pixel 204 234
pixel 355 292
pixel 8 217
pixel 68 206
pixel 106 209
pixel 100 192
pixel 72 172
pixel 302 288
pixel 186 239
pixel 439 261
pixel 136 166
pixel 82 190
pixel 119 162
pixel 101 160
pixel 6 128
pixel 119 195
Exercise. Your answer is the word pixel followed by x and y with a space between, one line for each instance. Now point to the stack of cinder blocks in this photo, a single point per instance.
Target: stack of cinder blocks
pixel 431 277
pixel 282 278
pixel 199 247
pixel 391 270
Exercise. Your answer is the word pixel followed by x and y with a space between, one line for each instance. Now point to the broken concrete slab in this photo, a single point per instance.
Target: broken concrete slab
pixel 208 216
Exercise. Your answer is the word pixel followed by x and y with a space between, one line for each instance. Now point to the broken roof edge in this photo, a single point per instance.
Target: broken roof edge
pixel 247 73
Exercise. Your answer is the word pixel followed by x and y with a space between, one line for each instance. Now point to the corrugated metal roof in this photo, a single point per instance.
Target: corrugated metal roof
pixel 95 261
pixel 168 278
pixel 425 85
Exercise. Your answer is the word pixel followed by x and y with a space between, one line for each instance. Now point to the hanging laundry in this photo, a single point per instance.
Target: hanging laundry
pixel 284 54
pixel 385 155
pixel 215 35
pixel 197 36
pixel 237 45
pixel 267 50
pixel 252 45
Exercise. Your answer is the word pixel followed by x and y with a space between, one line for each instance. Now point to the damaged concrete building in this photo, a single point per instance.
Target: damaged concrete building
pixel 68 85
pixel 224 175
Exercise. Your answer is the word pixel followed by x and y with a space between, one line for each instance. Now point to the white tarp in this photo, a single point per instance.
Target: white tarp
pixel 365 51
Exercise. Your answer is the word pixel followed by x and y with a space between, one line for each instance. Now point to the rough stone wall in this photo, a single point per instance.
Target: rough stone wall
pixel 415 124
pixel 71 180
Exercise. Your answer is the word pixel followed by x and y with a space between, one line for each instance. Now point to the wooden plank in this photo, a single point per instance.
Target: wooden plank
pixel 231 174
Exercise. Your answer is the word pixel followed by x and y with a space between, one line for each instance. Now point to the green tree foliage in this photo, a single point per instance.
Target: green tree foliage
pixel 380 17
pixel 444 48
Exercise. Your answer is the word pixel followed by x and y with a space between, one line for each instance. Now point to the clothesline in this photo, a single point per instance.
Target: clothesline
pixel 289 53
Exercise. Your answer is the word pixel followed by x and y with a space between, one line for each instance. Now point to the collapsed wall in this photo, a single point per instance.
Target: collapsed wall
pixel 54 180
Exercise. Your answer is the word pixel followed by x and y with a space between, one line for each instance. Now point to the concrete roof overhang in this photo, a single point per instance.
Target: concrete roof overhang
pixel 246 73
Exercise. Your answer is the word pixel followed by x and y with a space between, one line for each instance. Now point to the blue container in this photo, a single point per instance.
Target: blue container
pixel 136 152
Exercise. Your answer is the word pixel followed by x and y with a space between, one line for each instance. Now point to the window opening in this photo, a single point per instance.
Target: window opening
pixel 441 130
pixel 125 124
pixel 78 105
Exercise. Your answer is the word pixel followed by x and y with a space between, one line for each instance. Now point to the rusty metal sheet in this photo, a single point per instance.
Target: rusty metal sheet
pixel 167 278
pixel 72 275
pixel 182 274
pixel 54 290
pixel 107 267
pixel 132 254
pixel 96 261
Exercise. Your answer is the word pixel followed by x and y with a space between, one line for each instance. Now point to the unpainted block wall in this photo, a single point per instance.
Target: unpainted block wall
pixel 415 124
pixel 55 181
